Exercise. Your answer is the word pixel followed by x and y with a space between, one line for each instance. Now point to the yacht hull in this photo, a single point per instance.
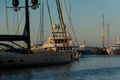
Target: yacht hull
pixel 30 60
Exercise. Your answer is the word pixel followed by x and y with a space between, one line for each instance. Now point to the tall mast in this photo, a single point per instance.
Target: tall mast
pixel 60 15
pixel 43 21
pixel 6 16
pixel 103 31
pixel 39 29
pixel 42 24
pixel 69 15
pixel 108 33
pixel 27 25
pixel 61 21
pixel 63 8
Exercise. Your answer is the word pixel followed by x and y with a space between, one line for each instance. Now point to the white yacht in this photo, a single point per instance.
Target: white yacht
pixel 115 48
pixel 57 40
pixel 60 41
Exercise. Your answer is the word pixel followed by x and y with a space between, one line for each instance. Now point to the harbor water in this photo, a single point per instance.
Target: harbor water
pixel 90 67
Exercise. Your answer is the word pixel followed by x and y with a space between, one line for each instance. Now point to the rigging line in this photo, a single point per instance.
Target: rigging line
pixel 16 44
pixel 39 30
pixel 6 14
pixel 42 21
pixel 14 23
pixel 51 23
pixel 63 9
pixel 41 25
pixel 19 22
pixel 38 34
pixel 69 16
pixel 108 29
pixel 61 20
pixel 33 29
pixel 60 14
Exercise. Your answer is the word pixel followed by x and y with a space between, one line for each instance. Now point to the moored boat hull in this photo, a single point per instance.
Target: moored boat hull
pixel 30 60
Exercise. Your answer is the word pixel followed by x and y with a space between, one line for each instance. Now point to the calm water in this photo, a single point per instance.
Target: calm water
pixel 87 68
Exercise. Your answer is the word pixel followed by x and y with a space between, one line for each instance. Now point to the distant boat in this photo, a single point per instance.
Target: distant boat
pixel 115 48
pixel 85 49
pixel 11 57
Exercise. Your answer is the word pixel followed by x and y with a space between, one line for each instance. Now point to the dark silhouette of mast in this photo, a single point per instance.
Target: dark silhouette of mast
pixel 26 34
pixel 27 25
pixel 103 42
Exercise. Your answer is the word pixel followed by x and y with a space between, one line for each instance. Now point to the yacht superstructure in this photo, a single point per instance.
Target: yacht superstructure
pixel 61 42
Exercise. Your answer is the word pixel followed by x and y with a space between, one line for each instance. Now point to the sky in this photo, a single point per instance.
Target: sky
pixel 86 18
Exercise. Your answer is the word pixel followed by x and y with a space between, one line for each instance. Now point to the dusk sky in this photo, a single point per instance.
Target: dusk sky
pixel 86 19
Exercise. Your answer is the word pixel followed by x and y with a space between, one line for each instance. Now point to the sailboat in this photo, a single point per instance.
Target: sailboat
pixel 12 57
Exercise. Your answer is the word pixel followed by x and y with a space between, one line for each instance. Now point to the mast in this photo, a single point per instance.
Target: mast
pixel 63 8
pixel 61 20
pixel 108 33
pixel 17 26
pixel 103 31
pixel 42 23
pixel 39 29
pixel 27 25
